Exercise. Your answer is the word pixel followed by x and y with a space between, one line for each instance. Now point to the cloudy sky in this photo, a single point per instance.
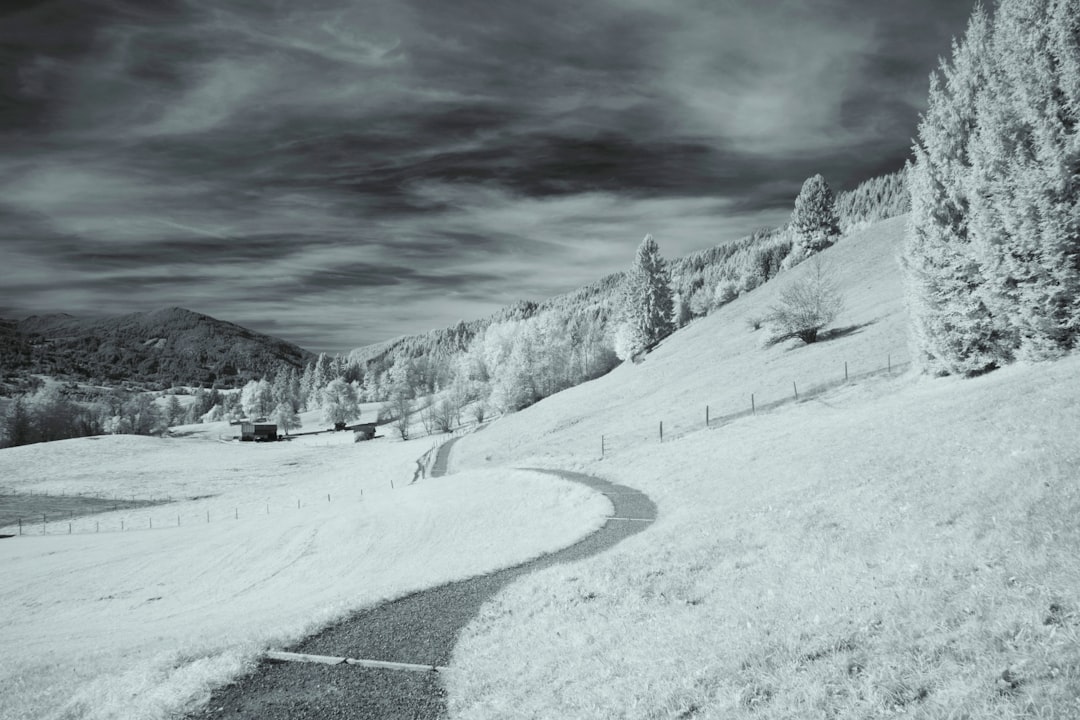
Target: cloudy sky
pixel 340 172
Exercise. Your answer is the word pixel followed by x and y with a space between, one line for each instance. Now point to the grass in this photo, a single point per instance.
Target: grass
pixel 142 623
pixel 32 509
pixel 897 546
pixel 917 554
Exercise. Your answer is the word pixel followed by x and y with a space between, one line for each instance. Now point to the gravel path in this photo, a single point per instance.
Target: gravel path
pixel 421 628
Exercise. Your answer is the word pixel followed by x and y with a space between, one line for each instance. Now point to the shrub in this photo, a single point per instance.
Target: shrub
pixel 806 306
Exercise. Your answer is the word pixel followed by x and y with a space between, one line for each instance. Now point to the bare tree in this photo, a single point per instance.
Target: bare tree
pixel 807 305
pixel 400 409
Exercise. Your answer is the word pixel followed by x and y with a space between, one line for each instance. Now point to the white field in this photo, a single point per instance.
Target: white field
pixel 144 622
pixel 899 545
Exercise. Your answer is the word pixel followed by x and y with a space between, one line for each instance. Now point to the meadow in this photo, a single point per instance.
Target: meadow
pixel 143 622
pixel 897 545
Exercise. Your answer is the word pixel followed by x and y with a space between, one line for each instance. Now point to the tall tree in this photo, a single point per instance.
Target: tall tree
pixel 1025 179
pixel 993 259
pixel 339 402
pixel 813 221
pixel 285 417
pixel 952 328
pixel 647 304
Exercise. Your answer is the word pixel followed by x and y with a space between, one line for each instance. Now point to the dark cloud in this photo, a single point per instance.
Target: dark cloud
pixel 340 172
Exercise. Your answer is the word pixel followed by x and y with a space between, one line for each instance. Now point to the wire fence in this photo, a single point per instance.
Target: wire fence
pixel 132 515
pixel 30 512
pixel 676 424
pixel 40 513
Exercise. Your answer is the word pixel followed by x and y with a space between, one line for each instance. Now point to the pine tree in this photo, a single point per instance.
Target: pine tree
pixel 814 220
pixel 952 329
pixel 646 304
pixel 1024 187
pixel 993 260
pixel 308 388
pixel 174 413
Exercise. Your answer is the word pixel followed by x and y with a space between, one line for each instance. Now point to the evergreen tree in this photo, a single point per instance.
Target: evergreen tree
pixel 308 387
pixel 647 304
pixel 174 413
pixel 952 329
pixel 1024 185
pixel 993 260
pixel 814 220
pixel 279 389
pixel 18 428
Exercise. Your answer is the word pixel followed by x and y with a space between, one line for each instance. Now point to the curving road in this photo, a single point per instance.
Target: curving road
pixel 420 629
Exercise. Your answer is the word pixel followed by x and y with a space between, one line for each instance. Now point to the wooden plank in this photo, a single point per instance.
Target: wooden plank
pixel 395 665
pixel 304 657
pixel 332 660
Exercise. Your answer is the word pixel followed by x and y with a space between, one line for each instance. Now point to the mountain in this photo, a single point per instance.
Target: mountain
pixel 163 347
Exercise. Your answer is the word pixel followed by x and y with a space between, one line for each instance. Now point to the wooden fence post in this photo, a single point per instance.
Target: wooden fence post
pixel 706 416
pixel 796 387
pixel 753 407
pixel 661 431
pixel 845 371
pixel 601 446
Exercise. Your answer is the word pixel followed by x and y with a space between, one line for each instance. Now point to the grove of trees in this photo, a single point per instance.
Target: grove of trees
pixel 993 260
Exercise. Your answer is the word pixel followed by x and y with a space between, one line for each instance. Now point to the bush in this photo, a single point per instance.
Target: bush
pixel 806 306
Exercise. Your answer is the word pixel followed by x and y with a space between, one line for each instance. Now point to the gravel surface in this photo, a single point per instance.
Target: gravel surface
pixel 421 628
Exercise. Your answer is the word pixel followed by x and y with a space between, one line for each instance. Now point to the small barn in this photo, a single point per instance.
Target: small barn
pixel 258 432
pixel 363 431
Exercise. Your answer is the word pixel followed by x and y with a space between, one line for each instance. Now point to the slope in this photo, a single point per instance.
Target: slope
pixel 896 545
pixel 719 361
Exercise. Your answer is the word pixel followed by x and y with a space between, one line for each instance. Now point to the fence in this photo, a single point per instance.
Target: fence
pixel 132 515
pixel 64 513
pixel 711 416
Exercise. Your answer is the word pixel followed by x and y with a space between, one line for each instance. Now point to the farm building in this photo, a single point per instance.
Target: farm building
pixel 363 431
pixel 258 432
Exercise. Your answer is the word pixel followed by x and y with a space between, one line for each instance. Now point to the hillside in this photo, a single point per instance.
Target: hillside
pixel 894 545
pixel 162 348
pixel 701 281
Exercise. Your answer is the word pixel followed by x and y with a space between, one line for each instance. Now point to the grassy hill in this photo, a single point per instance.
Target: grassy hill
pixel 898 545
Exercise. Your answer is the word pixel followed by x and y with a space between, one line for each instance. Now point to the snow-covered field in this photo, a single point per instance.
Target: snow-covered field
pixel 143 622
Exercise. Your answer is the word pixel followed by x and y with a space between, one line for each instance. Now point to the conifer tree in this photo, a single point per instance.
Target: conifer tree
pixel 174 413
pixel 952 329
pixel 993 259
pixel 1024 185
pixel 647 304
pixel 814 221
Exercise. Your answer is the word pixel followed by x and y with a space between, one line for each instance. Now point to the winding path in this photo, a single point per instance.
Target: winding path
pixel 419 629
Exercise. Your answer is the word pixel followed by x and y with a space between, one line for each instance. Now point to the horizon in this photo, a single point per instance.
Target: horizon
pixel 349 173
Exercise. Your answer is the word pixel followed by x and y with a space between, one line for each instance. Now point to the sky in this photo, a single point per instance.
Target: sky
pixel 342 172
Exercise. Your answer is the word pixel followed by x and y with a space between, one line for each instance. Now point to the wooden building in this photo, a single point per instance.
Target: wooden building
pixel 258 432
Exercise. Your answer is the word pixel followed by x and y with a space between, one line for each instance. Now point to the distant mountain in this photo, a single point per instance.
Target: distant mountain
pixel 162 347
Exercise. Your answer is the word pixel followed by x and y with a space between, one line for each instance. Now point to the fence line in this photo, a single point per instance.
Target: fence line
pixel 119 512
pixel 690 420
